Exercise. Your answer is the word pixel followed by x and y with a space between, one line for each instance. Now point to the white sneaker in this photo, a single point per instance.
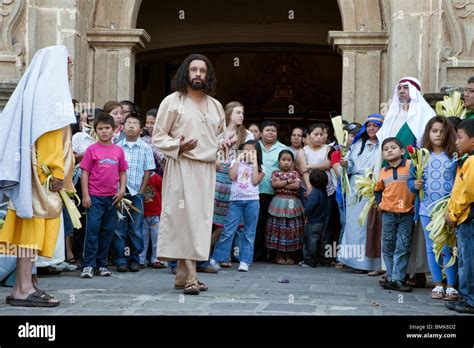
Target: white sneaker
pixel 87 272
pixel 243 267
pixel 64 266
pixel 61 266
pixel 215 264
pixel 104 272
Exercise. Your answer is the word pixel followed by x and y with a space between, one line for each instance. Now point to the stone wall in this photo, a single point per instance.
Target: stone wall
pixel 380 42
pixel 44 23
pixel 12 46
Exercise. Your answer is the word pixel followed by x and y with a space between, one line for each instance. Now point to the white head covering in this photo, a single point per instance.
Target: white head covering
pixel 41 103
pixel 419 113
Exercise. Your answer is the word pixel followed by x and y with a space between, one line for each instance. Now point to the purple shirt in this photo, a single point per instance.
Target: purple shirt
pixel 104 164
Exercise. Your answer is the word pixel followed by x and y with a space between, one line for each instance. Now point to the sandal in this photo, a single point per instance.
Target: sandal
pixel 437 293
pixel 226 265
pixel 339 265
pixel 410 282
pixel 451 294
pixel 202 286
pixel 158 265
pixel 191 287
pixel 281 261
pixel 39 298
pixel 290 262
pixel 418 281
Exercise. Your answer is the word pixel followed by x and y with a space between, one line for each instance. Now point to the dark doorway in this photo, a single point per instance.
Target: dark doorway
pixel 294 84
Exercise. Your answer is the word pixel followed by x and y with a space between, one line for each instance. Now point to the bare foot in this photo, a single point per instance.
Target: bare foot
pixel 22 294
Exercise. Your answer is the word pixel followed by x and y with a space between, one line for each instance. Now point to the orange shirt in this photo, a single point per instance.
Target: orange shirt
pixel 396 196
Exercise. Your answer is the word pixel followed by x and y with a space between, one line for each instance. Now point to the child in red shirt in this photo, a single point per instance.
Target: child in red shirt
pixel 151 221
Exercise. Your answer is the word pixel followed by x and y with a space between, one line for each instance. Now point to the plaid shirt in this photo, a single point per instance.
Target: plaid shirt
pixel 139 158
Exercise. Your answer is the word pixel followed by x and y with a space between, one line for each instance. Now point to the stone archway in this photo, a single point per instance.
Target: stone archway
pixel 362 43
pixel 102 36
pixel 380 42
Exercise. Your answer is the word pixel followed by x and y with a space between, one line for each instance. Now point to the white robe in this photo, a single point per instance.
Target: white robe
pixel 189 178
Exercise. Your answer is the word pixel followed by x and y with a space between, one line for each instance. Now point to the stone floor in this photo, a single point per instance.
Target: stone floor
pixel 310 291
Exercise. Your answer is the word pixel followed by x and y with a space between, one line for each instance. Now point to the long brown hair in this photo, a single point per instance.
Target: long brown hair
pixel 241 131
pixel 180 80
pixel 449 136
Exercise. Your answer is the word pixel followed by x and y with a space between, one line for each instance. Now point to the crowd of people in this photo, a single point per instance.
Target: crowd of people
pixel 186 186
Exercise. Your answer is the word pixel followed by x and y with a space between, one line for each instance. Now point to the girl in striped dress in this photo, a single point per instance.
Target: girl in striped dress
pixel 234 112
pixel 284 231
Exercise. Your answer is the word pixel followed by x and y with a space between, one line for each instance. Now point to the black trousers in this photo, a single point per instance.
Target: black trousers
pixel 79 234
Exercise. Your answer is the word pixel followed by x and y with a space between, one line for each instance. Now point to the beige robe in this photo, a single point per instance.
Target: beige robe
pixel 189 178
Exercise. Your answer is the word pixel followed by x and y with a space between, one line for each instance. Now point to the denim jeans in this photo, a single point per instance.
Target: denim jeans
pixel 237 244
pixel 151 227
pixel 326 236
pixel 312 236
pixel 237 209
pixel 101 221
pixel 133 229
pixel 68 226
pixel 465 239
pixel 342 219
pixel 435 268
pixel 397 233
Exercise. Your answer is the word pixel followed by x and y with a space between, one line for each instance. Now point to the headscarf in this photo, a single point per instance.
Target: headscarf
pixel 419 113
pixel 41 103
pixel 373 118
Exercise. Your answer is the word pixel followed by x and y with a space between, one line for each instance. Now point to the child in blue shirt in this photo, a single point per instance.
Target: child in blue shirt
pixel 315 213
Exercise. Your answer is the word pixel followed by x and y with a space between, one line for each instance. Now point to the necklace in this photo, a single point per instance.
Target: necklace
pixel 203 113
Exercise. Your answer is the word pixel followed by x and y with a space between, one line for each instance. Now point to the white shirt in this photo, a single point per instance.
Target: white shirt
pixel 317 157
pixel 398 123
pixel 81 141
pixel 242 188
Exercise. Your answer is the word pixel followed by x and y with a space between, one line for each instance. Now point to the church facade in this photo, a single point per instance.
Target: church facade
pixel 376 42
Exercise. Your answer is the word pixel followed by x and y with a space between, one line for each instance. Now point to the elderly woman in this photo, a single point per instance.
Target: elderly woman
pixel 271 147
pixel 361 156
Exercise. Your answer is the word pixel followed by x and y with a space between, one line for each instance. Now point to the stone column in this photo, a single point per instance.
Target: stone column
pixel 363 71
pixel 114 63
pixel 415 42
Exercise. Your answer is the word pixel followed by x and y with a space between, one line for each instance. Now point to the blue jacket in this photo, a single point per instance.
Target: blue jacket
pixel 317 207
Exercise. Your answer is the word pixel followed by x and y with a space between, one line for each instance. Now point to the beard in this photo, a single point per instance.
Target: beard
pixel 404 100
pixel 197 84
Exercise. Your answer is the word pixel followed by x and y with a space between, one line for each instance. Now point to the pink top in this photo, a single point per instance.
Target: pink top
pixel 104 164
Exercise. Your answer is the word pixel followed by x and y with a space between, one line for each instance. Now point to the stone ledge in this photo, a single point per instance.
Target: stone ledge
pixel 358 40
pixel 135 39
pixel 6 90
